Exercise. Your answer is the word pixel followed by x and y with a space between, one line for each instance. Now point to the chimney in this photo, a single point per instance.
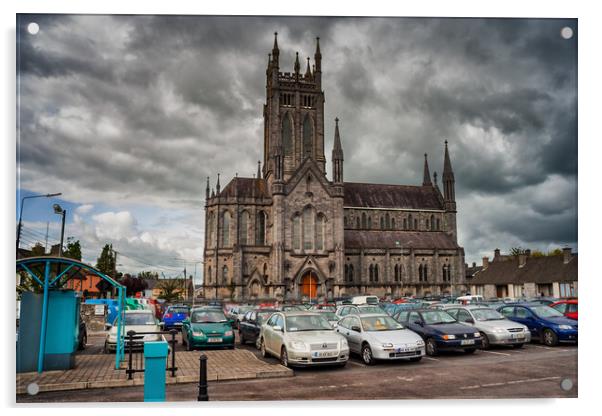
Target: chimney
pixel 522 259
pixel 528 252
pixel 566 253
pixel 496 254
pixel 474 264
pixel 485 262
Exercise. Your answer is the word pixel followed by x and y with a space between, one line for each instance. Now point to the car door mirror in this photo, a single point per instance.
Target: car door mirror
pixel 469 321
pixel 277 328
pixel 356 328
pixel 108 326
pixel 418 322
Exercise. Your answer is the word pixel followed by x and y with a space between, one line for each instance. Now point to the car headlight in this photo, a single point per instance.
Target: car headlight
pixel 477 334
pixel 420 343
pixel 387 345
pixel 565 327
pixel 446 337
pixel 344 343
pixel 298 345
pixel 498 330
pixel 197 333
pixel 228 333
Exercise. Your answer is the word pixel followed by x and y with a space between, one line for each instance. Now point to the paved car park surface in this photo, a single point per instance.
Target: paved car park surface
pixel 534 371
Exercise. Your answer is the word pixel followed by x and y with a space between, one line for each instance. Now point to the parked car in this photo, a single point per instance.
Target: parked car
pixel 82 336
pixel 363 300
pixel 250 325
pixel 440 331
pixel 323 307
pixel 545 323
pixel 343 311
pixel 469 299
pixel 288 308
pixel 237 312
pixel 138 320
pixel 380 337
pixel 495 328
pixel 568 308
pixel 303 339
pixel 173 317
pixel 207 328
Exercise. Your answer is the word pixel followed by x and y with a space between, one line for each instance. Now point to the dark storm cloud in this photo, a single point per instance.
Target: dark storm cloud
pixel 145 107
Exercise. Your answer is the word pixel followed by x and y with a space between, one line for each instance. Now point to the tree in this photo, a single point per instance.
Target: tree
pixel 74 250
pixel 133 284
pixel 106 262
pixel 171 289
pixel 38 250
pixel 148 275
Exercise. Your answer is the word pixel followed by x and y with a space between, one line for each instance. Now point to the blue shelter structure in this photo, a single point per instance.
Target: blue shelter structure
pixel 51 273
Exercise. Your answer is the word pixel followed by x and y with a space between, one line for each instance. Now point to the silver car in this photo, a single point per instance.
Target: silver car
pixel 302 339
pixel 345 310
pixel 494 327
pixel 380 337
pixel 134 320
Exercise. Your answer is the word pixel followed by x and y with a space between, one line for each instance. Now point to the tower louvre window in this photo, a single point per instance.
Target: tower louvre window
pixel 297 232
pixel 308 134
pixel 260 229
pixel 244 228
pixel 287 135
pixel 308 226
pixel 320 223
pixel 226 229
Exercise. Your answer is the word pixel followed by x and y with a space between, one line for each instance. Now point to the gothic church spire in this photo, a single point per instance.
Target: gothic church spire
pixel 426 181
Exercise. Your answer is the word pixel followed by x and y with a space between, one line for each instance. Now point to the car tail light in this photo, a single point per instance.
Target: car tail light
pixel 168 315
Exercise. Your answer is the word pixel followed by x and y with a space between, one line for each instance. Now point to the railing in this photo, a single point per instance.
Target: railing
pixel 135 341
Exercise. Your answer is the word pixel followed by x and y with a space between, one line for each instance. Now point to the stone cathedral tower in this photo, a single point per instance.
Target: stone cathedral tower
pixel 291 233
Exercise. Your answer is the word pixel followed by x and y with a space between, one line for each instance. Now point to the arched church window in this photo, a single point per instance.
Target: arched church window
pixel 432 223
pixel 410 221
pixel 210 227
pixel 357 222
pixel 420 273
pixel 364 222
pixel 260 230
pixel 387 221
pixel 308 229
pixel 351 272
pixel 369 222
pixel 425 272
pixel 371 272
pixel 225 275
pixel 297 232
pixel 396 275
pixel 415 223
pixel 308 135
pixel 427 224
pixel 209 275
pixel 320 224
pixel 287 135
pixel 243 228
pixel 405 224
pixel 393 223
pixel 376 272
pixel 382 223
pixel 226 229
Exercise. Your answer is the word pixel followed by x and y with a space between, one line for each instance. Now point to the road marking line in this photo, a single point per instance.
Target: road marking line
pixel 470 387
pixel 432 359
pixel 545 348
pixel 498 353
pixel 492 384
pixel 528 380
pixel 358 364
pixel 405 378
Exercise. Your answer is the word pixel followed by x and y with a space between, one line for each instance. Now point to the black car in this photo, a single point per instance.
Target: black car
pixel 440 330
pixel 82 337
pixel 250 325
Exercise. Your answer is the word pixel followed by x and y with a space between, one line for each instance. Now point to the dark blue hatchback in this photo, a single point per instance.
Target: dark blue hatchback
pixel 173 317
pixel 545 323
pixel 440 330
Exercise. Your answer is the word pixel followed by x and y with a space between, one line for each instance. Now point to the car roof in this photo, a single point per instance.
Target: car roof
pixel 366 315
pixel 298 313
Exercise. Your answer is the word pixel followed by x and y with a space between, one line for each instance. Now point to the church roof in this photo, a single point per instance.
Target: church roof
pixel 407 239
pixel 246 188
pixel 541 270
pixel 368 195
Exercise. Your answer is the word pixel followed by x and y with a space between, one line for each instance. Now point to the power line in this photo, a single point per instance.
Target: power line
pixel 147 263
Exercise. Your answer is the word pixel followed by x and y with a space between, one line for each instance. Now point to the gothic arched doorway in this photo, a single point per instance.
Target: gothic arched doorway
pixel 309 285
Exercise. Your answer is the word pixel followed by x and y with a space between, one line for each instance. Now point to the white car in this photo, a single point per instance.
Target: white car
pixel 138 321
pixel 380 337
pixel 345 310
pixel 302 339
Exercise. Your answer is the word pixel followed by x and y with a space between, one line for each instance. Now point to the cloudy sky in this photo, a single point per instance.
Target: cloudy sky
pixel 128 115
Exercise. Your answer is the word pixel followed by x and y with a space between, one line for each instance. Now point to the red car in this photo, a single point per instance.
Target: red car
pixel 567 307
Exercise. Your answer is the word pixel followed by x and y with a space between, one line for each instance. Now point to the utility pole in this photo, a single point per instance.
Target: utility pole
pixel 20 225
pixel 46 241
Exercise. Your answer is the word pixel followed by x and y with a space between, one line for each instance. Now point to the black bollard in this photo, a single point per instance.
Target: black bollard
pixel 173 352
pixel 131 355
pixel 203 396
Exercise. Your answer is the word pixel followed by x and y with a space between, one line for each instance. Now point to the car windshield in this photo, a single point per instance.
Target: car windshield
pixel 435 317
pixel 208 316
pixel 307 323
pixel 330 316
pixel 487 314
pixel 380 323
pixel 370 309
pixel 544 311
pixel 139 319
pixel 178 310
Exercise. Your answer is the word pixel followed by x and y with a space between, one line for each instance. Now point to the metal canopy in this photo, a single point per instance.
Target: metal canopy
pixel 49 280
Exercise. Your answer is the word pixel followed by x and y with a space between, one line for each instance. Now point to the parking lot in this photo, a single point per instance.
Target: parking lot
pixel 534 371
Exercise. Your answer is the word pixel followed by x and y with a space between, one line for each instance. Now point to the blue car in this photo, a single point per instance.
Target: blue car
pixel 545 323
pixel 440 331
pixel 173 317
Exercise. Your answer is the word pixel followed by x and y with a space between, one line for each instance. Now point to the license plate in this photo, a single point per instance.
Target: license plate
pixel 467 342
pixel 324 354
pixel 178 323
pixel 518 336
pixel 214 340
pixel 404 349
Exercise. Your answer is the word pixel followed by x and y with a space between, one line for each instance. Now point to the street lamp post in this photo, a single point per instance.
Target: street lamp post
pixel 60 211
pixel 20 226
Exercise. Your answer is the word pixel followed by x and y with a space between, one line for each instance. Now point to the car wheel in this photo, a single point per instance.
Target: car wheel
pixel 470 350
pixel 485 341
pixel 549 337
pixel 105 349
pixel 415 359
pixel 264 353
pixel 241 337
pixel 431 347
pixel 518 346
pixel 284 357
pixel 367 355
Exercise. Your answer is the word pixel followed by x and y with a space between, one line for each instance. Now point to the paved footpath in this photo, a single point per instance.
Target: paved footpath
pixel 98 371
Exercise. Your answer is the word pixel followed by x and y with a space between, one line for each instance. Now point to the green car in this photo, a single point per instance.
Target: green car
pixel 207 328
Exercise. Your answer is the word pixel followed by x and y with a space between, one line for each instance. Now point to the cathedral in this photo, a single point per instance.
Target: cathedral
pixel 290 233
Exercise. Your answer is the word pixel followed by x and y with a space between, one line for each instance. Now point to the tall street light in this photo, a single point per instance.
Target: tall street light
pixel 60 211
pixel 20 226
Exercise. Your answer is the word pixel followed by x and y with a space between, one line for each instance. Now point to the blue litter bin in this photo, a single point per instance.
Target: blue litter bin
pixel 155 359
